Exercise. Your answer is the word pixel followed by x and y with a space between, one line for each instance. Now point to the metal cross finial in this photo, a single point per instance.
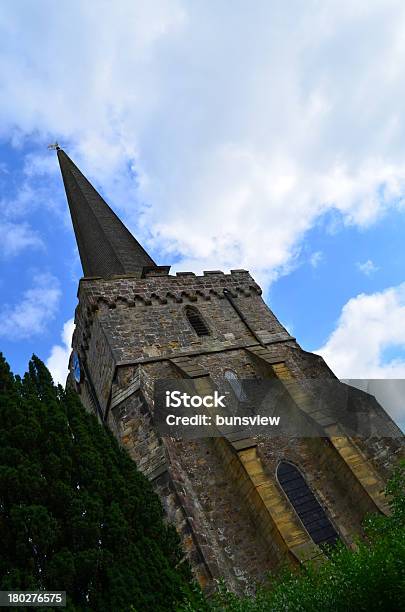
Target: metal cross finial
pixel 54 147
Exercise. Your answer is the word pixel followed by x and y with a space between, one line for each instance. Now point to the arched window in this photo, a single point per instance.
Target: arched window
pixel 236 385
pixel 306 505
pixel 196 321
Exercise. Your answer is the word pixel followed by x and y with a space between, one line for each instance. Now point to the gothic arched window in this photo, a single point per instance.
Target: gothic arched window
pixel 305 504
pixel 196 321
pixel 235 384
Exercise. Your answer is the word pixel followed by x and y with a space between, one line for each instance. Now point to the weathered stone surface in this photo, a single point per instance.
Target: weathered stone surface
pixel 223 495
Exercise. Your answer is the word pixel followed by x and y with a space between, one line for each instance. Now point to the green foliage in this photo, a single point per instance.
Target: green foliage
pixel 75 513
pixel 370 578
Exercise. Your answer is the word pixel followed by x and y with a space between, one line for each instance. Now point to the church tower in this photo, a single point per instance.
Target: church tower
pixel 242 505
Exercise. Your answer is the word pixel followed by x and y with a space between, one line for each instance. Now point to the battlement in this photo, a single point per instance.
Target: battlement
pixel 155 288
pixel 145 317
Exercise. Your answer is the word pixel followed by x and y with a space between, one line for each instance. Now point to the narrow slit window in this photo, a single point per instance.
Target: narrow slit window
pixel 196 321
pixel 236 385
pixel 305 504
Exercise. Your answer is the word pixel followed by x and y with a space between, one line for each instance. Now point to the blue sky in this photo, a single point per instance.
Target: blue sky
pixel 266 136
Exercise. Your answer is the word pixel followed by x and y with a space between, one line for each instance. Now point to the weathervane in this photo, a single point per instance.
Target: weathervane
pixel 54 147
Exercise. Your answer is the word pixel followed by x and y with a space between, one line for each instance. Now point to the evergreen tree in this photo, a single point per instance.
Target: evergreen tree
pixel 75 513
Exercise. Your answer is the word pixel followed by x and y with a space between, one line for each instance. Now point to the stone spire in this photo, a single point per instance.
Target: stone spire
pixel 106 247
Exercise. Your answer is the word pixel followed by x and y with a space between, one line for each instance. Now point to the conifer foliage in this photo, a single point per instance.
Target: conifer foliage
pixel 75 513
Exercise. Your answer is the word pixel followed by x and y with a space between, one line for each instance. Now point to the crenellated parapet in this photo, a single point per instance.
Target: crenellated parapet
pixel 97 296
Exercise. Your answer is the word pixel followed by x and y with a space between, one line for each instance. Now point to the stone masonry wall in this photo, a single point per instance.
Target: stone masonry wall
pixel 128 330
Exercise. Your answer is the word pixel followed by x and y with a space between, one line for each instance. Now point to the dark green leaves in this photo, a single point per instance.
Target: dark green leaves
pixel 75 514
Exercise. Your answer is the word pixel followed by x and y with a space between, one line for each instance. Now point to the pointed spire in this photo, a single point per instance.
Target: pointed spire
pixel 106 247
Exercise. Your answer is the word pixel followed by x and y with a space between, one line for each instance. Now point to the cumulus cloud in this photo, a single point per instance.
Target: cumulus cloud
pixel 37 307
pixel 58 360
pixel 369 326
pixel 220 134
pixel 368 267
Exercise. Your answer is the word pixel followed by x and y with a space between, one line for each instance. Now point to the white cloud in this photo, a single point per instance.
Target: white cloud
pixel 37 187
pixel 368 267
pixel 58 360
pixel 369 325
pixel 316 259
pixel 15 237
pixel 37 307
pixel 221 133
